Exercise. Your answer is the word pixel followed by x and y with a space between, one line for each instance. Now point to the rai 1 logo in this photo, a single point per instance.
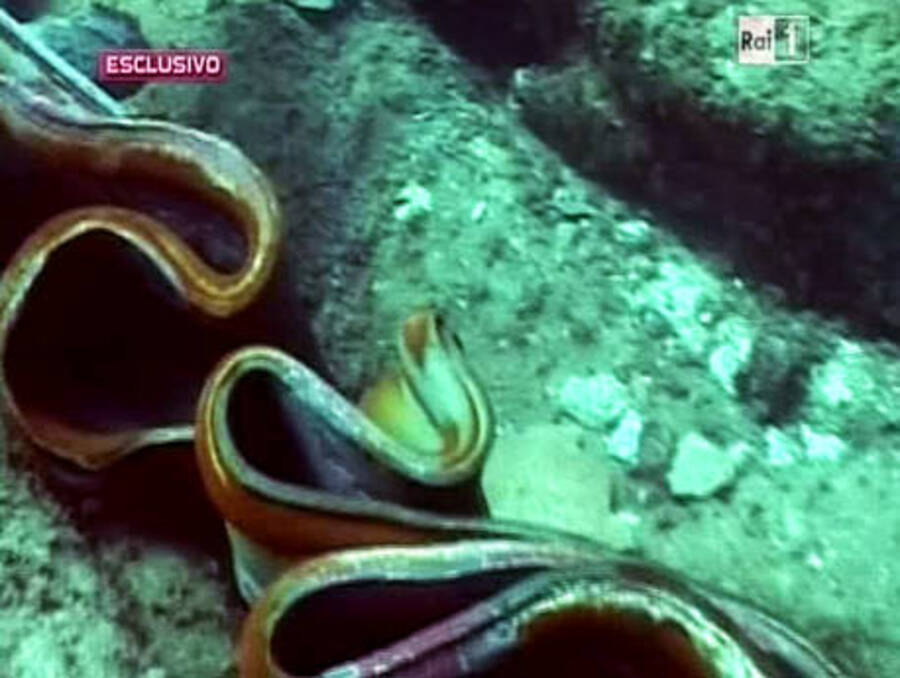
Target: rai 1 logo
pixel 773 40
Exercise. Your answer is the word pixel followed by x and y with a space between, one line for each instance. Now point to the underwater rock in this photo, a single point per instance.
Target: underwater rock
pixel 322 5
pixel 821 446
pixel 735 346
pixel 572 204
pixel 855 393
pixel 634 232
pixel 312 4
pixel 700 468
pixel 596 402
pixel 412 203
pixel 549 474
pixel 781 448
pixel 802 443
pixel 625 441
pixel 680 295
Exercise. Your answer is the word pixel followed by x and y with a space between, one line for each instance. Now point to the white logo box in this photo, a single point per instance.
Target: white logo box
pixel 773 40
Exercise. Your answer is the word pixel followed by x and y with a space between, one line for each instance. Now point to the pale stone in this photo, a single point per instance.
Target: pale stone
pixel 781 449
pixel 595 402
pixel 822 446
pixel 550 475
pixel 678 294
pixel 700 467
pixel 633 232
pixel 313 4
pixel 625 442
pixel 735 337
pixel 412 202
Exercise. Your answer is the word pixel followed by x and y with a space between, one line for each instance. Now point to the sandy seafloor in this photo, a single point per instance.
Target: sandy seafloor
pixel 408 177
